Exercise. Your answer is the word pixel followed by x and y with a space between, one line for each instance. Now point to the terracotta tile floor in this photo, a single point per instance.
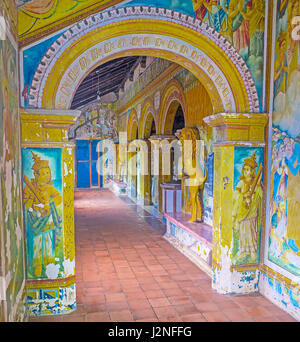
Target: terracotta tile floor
pixel 127 272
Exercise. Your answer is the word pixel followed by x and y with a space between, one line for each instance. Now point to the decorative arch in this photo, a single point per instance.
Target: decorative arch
pixel 132 126
pixel 172 97
pixel 146 119
pixel 144 31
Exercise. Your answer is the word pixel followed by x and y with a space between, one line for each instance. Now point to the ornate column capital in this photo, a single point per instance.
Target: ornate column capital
pixel 237 127
pixel 46 126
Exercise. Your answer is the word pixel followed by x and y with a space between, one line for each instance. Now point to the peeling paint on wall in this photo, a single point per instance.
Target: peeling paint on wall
pixel 286 298
pixel 231 281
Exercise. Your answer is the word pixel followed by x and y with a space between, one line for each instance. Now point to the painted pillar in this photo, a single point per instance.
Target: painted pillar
pixel 160 165
pixel 132 169
pixel 48 200
pixel 144 157
pixel 239 142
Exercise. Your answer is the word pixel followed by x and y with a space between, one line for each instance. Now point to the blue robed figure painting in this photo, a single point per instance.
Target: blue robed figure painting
pixel 42 180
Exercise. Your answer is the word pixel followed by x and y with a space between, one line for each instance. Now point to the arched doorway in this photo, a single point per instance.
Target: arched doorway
pixel 147 129
pixel 179 122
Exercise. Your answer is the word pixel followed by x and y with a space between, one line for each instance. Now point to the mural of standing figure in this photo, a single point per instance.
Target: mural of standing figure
pixel 192 174
pixel 42 222
pixel 255 15
pixel 213 13
pixel 247 208
pixel 281 66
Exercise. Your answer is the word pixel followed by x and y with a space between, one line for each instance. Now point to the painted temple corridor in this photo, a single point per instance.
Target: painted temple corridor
pixel 149 161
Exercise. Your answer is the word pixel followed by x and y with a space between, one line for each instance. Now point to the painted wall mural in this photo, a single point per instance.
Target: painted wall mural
pixel 241 22
pixel 284 213
pixel 11 215
pixel 43 212
pixel 284 238
pixel 247 204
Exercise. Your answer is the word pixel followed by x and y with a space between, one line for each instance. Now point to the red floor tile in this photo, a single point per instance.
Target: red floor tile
pixel 159 302
pixel 193 318
pixel 258 311
pixel 165 312
pixel 215 316
pixel 179 300
pixel 98 317
pixel 121 316
pixel 207 306
pixel 237 314
pixel 139 314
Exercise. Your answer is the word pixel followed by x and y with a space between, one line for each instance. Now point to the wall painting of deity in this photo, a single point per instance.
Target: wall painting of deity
pixel 247 204
pixel 43 212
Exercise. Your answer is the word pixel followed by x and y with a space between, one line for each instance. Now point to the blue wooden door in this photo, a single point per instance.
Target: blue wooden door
pixel 89 164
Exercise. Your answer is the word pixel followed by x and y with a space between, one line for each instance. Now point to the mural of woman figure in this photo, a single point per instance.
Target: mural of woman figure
pixel 284 155
pixel 292 155
pixel 247 209
pixel 238 27
pixel 281 66
pixel 278 232
pixel 280 172
pixel 255 15
pixel 213 13
pixel 42 222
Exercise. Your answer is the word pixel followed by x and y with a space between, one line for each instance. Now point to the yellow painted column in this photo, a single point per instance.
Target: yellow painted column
pixel 48 200
pixel 131 180
pixel 239 144
pixel 145 172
